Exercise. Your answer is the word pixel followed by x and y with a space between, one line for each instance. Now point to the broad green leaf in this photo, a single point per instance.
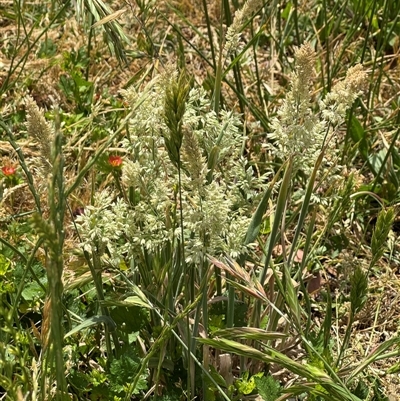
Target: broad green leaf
pixel 358 135
pixel 268 388
pixel 4 265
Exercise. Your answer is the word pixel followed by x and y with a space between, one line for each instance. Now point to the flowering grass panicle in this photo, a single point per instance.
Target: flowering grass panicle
pixel 247 184
pixel 216 198
pixel 193 160
pixel 101 226
pixel 146 122
pixel 215 133
pixel 336 103
pixel 299 131
pixel 232 37
pixel 40 130
pixel 184 157
pixel 131 174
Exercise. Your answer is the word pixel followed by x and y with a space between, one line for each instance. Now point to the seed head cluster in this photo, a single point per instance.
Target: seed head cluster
pixel 215 190
pixel 300 131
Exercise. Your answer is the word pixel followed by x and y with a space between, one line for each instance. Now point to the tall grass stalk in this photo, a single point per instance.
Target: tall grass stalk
pixel 96 269
pixel 175 104
pixel 164 335
pixel 52 232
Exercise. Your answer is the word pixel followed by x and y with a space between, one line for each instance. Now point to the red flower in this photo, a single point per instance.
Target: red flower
pixel 8 170
pixel 115 161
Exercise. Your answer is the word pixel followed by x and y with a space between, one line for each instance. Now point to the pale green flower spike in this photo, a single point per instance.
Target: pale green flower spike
pixel 300 132
pixel 173 126
pixel 233 33
pixel 40 130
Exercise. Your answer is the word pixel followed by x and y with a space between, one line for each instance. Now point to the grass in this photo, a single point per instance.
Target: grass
pixel 197 203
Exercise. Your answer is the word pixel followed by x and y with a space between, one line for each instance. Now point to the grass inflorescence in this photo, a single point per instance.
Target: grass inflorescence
pixel 199 201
